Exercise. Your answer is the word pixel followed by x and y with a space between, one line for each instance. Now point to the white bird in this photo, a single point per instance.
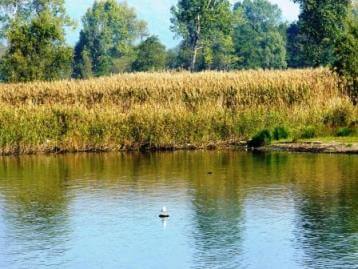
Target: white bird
pixel 164 213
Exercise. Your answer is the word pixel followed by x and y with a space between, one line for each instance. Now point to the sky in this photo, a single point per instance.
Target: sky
pixel 157 14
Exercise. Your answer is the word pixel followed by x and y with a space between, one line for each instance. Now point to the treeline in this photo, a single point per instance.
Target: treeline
pixel 214 35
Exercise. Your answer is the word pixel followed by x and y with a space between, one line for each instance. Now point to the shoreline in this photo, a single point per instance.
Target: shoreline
pixel 313 147
pixel 299 147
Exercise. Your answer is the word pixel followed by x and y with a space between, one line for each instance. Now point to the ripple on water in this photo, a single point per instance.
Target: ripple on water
pixel 254 211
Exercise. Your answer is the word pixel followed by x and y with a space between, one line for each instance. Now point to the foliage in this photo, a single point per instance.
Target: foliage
pixel 262 138
pixel 173 61
pixel 345 131
pixel 320 23
pixel 339 114
pixel 109 31
pixel 36 48
pixel 214 36
pixel 294 47
pixel 308 132
pixel 183 56
pixel 2 50
pixel 151 55
pixel 280 133
pixel 346 53
pixel 218 53
pixel 257 35
pixel 197 22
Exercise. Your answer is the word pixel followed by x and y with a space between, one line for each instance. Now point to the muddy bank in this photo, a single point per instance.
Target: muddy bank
pixel 313 147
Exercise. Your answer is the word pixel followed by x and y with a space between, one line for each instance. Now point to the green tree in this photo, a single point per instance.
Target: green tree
pixel 84 64
pixel 258 37
pixel 320 25
pixel 294 47
pixel 151 55
pixel 173 58
pixel 218 53
pixel 36 48
pixel 197 22
pixel 107 39
pixel 346 53
pixel 9 9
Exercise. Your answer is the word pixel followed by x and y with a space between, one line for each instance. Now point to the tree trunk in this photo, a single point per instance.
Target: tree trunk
pixel 195 43
pixel 193 60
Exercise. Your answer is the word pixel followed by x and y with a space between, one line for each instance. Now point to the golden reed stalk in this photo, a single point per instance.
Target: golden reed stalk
pixel 168 110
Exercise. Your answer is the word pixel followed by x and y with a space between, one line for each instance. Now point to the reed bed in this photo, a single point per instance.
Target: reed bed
pixel 169 110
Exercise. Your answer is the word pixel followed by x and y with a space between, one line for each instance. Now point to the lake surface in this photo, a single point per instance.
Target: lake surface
pixel 87 211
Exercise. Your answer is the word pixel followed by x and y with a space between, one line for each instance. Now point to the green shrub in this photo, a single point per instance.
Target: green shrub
pixel 262 138
pixel 280 133
pixel 338 116
pixel 308 132
pixel 345 131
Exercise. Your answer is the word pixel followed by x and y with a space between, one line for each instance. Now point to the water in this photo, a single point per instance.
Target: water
pixel 254 211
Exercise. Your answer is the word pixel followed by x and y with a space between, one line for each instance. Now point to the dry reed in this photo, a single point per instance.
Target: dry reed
pixel 167 110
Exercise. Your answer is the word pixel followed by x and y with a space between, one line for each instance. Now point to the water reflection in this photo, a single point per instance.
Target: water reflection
pixel 217 211
pixel 252 211
pixel 328 214
pixel 34 211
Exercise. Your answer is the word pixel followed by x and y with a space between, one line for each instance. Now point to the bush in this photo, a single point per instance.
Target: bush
pixel 339 116
pixel 280 133
pixel 262 138
pixel 308 132
pixel 344 132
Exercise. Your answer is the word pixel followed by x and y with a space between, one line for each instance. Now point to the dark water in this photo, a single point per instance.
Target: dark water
pixel 253 211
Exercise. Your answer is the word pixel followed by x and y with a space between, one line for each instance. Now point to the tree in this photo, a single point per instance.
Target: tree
pixel 107 39
pixel 197 21
pixel 9 9
pixel 84 65
pixel 218 53
pixel 258 35
pixel 320 25
pixel 346 53
pixel 36 48
pixel 151 55
pixel 173 58
pixel 294 47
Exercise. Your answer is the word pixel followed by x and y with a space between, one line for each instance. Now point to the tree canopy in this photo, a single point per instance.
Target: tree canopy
pixel 197 22
pixel 107 39
pixel 257 35
pixel 150 55
pixel 346 52
pixel 320 23
pixel 36 48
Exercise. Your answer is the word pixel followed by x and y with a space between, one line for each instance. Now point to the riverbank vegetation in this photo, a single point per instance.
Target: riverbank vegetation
pixel 172 110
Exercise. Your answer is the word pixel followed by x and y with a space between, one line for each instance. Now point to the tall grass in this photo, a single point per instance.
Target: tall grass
pixel 168 110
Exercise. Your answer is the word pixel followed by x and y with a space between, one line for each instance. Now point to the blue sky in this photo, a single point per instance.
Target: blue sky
pixel 157 14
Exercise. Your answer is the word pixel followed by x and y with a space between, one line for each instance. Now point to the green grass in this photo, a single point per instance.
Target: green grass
pixel 331 139
pixel 325 139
